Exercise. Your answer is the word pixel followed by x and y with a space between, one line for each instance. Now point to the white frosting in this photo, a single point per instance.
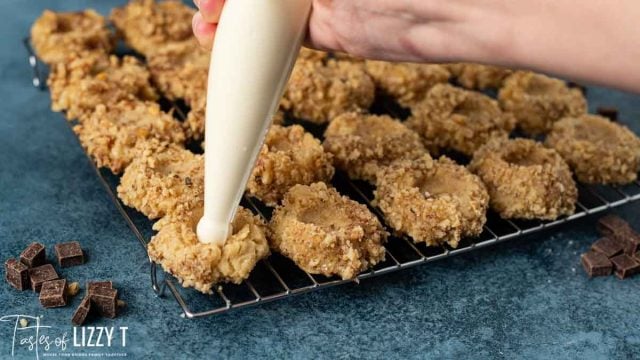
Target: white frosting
pixel 256 44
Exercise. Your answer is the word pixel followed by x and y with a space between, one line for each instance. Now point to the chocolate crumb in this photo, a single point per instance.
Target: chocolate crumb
pixel 596 264
pixel 121 303
pixel 34 255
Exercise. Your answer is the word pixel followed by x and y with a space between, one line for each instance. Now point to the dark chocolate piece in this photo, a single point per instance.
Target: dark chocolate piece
pixel 105 301
pixel 69 254
pixel 631 243
pixel 81 313
pixel 625 266
pixel 609 112
pixel 607 246
pixel 40 274
pixel 596 264
pixel 612 226
pixel 16 274
pixel 92 285
pixel 52 293
pixel 617 229
pixel 34 255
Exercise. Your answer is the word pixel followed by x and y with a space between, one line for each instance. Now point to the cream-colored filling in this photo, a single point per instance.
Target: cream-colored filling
pixel 256 44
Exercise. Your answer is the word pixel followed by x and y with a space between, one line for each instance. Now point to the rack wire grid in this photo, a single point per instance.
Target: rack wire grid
pixel 277 277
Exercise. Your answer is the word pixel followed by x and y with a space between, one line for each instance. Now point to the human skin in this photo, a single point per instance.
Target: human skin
pixel 596 42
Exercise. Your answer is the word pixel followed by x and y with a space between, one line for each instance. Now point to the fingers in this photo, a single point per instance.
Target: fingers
pixel 205 21
pixel 204 31
pixel 210 9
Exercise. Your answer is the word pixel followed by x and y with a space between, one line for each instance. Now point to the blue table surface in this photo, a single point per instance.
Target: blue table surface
pixel 527 298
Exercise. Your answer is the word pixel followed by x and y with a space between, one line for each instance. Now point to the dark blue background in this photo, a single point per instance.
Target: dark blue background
pixel 523 299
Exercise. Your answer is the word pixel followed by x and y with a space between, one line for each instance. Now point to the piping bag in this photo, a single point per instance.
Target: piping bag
pixel 255 48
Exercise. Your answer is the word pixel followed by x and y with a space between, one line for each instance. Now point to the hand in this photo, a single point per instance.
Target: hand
pixel 594 41
pixel 205 21
pixel 407 30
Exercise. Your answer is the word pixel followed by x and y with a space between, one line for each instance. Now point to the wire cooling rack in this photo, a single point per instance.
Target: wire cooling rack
pixel 278 277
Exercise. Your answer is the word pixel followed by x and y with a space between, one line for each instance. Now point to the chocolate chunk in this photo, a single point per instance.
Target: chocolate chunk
pixel 609 112
pixel 92 285
pixel 612 226
pixel 607 246
pixel 34 255
pixel 104 297
pixel 596 264
pixel 105 301
pixel 616 228
pixel 40 274
pixel 81 313
pixel 53 293
pixel 69 254
pixel 631 243
pixel 16 274
pixel 625 266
